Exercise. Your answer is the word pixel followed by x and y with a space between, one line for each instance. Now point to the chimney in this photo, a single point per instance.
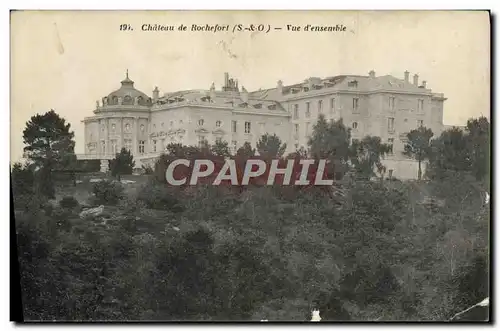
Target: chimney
pixel 212 91
pixel 226 79
pixel 372 74
pixel 156 93
pixel 407 76
pixel 244 94
pixel 279 87
pixel 415 80
pixel 424 84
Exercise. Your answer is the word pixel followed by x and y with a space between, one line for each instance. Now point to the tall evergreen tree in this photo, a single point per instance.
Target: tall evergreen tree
pixel 49 146
pixel 271 146
pixel 122 164
pixel 366 154
pixel 331 141
pixel 418 146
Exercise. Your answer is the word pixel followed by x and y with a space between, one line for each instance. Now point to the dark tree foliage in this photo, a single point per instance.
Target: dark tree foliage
pixel 49 145
pixel 221 148
pixel 418 146
pixel 271 146
pixel 122 164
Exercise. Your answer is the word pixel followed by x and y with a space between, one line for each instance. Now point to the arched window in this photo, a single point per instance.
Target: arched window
pixel 114 100
pixel 140 100
pixel 201 122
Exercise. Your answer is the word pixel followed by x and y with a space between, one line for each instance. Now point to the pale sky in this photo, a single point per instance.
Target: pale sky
pixel 66 60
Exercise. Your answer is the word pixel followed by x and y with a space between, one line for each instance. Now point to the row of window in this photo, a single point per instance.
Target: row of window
pixel 234 125
pixel 355 106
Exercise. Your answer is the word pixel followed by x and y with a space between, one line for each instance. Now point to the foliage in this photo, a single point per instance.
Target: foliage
pixel 221 148
pixel 122 164
pixel 271 146
pixel 69 202
pixel 22 178
pixel 330 140
pixel 366 154
pixel 159 196
pixel 245 151
pixel 418 146
pixel 107 192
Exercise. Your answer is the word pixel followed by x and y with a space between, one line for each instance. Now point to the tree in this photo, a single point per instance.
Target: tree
pixel 221 148
pixel 246 150
pixel 49 146
pixel 365 154
pixel 271 146
pixel 331 141
pixel 418 146
pixel 478 143
pixel 449 152
pixel 122 164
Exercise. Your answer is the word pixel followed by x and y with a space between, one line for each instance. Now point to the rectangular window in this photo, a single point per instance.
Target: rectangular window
pixel 390 124
pixel 163 146
pixel 233 126
pixel 420 104
pixel 113 146
pixel 295 112
pixel 420 123
pixel 355 103
pixel 320 106
pixel 154 146
pixel 390 173
pixel 392 102
pixel 307 129
pixel 142 143
pixel 201 141
pixel 332 105
pixel 308 110
pixel 103 147
pixel 390 142
pixel 234 143
pixel 247 127
pixel 296 130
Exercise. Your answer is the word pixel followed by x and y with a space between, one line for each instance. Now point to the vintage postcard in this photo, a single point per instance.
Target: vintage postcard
pixel 322 166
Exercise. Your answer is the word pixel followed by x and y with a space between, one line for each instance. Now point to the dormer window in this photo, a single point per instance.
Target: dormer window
pixel 272 107
pixel 258 106
pixel 243 105
pixel 353 83
pixel 306 89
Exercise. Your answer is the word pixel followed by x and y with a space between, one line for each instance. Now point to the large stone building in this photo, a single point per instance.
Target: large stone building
pixel 383 106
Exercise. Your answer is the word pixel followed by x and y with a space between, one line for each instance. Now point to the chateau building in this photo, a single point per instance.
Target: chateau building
pixel 383 106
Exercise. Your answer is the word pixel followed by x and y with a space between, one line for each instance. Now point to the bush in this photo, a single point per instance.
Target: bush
pixel 159 196
pixel 69 202
pixel 108 192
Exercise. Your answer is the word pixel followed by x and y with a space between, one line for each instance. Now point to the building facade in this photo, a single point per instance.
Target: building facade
pixel 383 106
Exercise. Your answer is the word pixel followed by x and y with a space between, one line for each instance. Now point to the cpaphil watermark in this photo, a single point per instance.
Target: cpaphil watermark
pixel 253 171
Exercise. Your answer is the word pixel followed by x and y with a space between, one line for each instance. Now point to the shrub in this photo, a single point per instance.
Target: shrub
pixel 108 192
pixel 69 202
pixel 158 196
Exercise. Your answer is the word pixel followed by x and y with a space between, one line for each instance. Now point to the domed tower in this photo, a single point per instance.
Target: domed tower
pixel 126 95
pixel 121 121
